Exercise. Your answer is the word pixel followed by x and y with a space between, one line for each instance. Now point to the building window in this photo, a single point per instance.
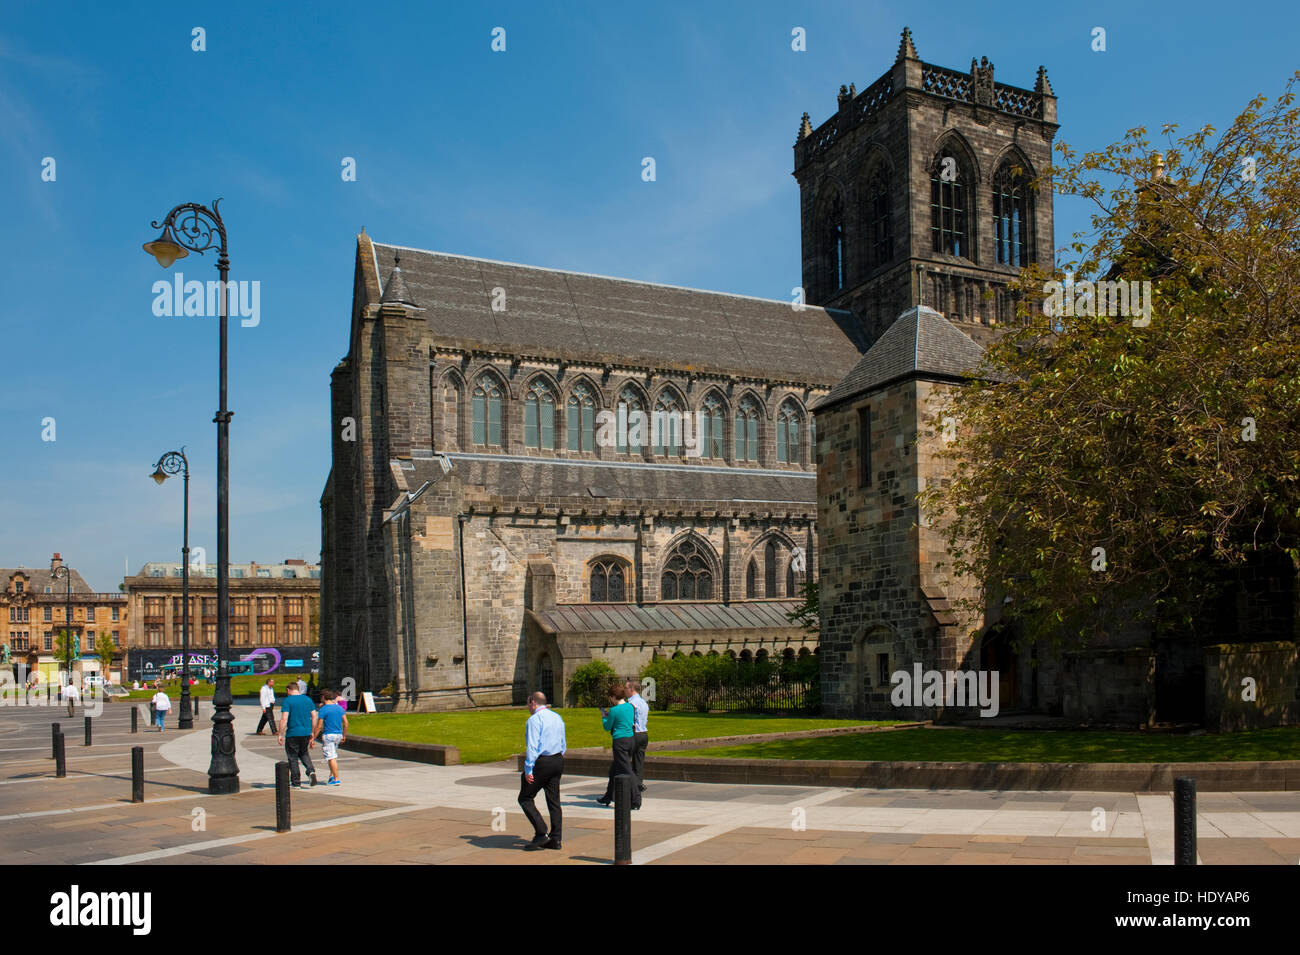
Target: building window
pixel 787 433
pixel 266 607
pixel 747 430
pixel 751 579
pixel 117 639
pixel 687 575
pixel 487 411
pixel 711 437
pixel 791 588
pixel 948 205
pixel 1012 215
pixel 209 606
pixel 210 634
pixel 837 258
pixel 49 642
pixel 49 614
pixel 236 572
pixel 239 607
pixel 293 606
pixel 263 572
pixel 153 636
pixel 769 570
pixel 239 634
pixel 153 606
pixel 18 586
pixel 667 425
pixel 631 422
pixel 580 423
pixel 864 447
pixel 117 615
pixel 539 417
pixel 882 233
pixel 608 584
pixel 882 669
pixel 90 614
pixel 266 631
pixel 13 614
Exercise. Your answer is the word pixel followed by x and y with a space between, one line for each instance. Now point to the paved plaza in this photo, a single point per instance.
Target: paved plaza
pixel 394 812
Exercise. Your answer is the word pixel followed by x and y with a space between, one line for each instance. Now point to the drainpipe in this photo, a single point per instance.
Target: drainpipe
pixel 464 604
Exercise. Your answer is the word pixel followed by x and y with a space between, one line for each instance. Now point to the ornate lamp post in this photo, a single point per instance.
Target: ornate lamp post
pixel 191 227
pixel 62 573
pixel 171 463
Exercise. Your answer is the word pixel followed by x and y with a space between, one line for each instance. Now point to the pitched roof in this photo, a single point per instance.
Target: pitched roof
pixel 41 577
pixel 920 343
pixel 599 484
pixel 631 620
pixel 595 318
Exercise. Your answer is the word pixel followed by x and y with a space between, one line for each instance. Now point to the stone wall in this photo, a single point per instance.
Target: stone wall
pixel 1112 686
pixel 1272 667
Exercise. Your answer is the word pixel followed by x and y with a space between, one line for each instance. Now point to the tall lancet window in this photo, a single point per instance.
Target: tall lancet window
pixel 487 411
pixel 882 234
pixel 949 198
pixel 539 417
pixel 836 252
pixel 1012 216
pixel 632 422
pixel 747 430
pixel 580 422
pixel 787 433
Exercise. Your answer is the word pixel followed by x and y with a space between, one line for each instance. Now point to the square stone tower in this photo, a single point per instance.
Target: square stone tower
pixel 918 191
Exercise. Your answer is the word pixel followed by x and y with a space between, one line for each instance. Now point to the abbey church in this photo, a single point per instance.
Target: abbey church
pixel 483 535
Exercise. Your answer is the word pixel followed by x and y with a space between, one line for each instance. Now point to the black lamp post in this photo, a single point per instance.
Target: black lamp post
pixel 171 463
pixel 62 573
pixel 191 227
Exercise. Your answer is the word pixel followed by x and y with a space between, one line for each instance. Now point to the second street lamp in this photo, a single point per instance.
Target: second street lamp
pixel 62 573
pixel 174 462
pixel 191 227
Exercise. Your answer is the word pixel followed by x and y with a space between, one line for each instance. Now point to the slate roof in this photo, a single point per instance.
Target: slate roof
pixel 40 578
pixel 589 317
pixel 920 343
pixel 628 619
pixel 597 483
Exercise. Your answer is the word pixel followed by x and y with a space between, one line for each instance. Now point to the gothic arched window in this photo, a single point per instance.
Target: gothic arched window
pixel 949 197
pixel 747 430
pixel 711 443
pixel 487 411
pixel 836 252
pixel 881 226
pixel 539 417
pixel 687 574
pixel 769 558
pixel 751 579
pixel 787 433
pixel 608 582
pixel 1012 216
pixel 580 422
pixel 667 425
pixel 631 422
pixel 791 587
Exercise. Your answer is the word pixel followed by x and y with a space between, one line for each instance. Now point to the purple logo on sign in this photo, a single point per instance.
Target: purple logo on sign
pixel 269 652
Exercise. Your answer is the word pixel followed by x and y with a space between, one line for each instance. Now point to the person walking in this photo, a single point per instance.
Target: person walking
pixel 297 726
pixel 71 695
pixel 331 725
pixel 544 746
pixel 640 731
pixel 618 720
pixel 266 696
pixel 161 704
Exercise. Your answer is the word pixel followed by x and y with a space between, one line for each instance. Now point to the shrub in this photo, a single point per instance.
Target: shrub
pixel 590 685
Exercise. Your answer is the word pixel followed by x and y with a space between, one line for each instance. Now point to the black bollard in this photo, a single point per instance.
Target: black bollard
pixel 87 730
pixel 1185 821
pixel 54 740
pixel 282 796
pixel 135 718
pixel 137 774
pixel 60 764
pixel 623 818
pixel 196 707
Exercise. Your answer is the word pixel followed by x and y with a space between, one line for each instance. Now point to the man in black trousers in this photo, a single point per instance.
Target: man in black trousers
pixel 640 731
pixel 544 747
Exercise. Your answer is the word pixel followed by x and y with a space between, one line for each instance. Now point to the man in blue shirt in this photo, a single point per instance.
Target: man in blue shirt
pixel 640 731
pixel 543 766
pixel 297 724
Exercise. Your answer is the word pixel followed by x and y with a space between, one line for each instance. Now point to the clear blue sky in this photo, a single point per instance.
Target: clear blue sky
pixel 532 155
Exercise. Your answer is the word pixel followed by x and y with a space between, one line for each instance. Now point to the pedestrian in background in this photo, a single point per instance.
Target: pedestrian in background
pixel 266 696
pixel 640 731
pixel 71 695
pixel 161 704
pixel 331 727
pixel 544 746
pixel 297 725
pixel 617 718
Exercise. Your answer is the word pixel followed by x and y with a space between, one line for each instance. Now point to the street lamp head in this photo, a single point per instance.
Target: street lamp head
pixel 165 248
pixel 159 475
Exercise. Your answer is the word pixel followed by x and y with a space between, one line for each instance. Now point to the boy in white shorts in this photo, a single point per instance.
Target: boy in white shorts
pixel 331 725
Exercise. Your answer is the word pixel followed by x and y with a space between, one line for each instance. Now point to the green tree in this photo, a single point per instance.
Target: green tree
pixel 806 615
pixel 104 649
pixel 1113 469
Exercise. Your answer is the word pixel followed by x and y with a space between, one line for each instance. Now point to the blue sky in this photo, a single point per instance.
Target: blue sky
pixel 532 155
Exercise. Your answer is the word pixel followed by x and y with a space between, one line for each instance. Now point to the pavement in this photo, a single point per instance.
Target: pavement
pixel 393 812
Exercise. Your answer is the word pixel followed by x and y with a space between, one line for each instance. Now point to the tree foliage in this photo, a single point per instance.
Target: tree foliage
pixel 1173 445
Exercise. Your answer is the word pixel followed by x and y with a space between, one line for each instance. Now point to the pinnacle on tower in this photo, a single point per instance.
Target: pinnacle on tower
pixel 1042 84
pixel 906 49
pixel 395 288
pixel 805 128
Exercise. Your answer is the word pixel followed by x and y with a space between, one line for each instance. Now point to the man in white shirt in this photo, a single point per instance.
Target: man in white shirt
pixel 640 731
pixel 544 746
pixel 266 697
pixel 71 695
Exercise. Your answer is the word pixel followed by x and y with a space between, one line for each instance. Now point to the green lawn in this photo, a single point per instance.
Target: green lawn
pixel 484 736
pixel 1029 746
pixel 242 684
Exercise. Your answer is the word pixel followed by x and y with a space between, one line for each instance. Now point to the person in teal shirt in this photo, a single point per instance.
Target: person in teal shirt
pixel 619 719
pixel 297 725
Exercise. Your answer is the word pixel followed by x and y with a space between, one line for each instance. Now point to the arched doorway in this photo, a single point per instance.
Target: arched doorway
pixel 998 653
pixel 546 677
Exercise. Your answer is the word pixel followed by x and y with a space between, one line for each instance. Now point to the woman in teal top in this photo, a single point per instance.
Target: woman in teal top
pixel 618 719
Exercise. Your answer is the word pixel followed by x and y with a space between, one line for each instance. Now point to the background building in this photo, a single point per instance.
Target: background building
pixel 33 611
pixel 274 608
